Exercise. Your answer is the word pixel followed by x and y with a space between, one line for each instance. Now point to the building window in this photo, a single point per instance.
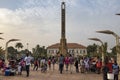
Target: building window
pixel 56 51
pixel 80 51
pixel 70 51
pixel 83 51
pixel 52 51
pixel 76 51
pixel 49 51
pixel 73 51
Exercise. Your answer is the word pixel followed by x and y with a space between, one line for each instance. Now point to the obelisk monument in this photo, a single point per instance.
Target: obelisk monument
pixel 63 44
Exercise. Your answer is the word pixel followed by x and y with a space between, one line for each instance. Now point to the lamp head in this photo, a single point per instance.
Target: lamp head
pixel 95 39
pixel 2 38
pixel 14 40
pixel 105 32
pixel 1 33
pixel 118 14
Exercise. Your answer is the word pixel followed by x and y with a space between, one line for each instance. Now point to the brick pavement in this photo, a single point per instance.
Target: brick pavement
pixel 53 75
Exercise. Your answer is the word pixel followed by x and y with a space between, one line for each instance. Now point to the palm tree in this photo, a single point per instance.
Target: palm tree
pixel 34 52
pixel 38 50
pixel 18 46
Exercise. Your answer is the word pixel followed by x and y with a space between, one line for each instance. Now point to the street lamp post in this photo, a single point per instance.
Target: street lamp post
pixel 103 54
pixel 6 49
pixel 117 42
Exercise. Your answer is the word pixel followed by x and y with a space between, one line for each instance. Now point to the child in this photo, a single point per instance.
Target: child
pixel 49 63
pixel 43 67
pixel 19 69
pixel 53 62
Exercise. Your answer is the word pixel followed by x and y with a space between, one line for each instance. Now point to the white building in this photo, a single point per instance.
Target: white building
pixel 73 48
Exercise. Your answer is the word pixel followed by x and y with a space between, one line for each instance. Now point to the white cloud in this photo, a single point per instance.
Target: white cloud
pixel 38 20
pixel 8 17
pixel 30 24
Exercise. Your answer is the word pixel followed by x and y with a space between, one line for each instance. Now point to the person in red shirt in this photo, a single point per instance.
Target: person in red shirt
pixel 67 62
pixel 98 66
pixel 49 63
pixel 109 64
pixel 36 63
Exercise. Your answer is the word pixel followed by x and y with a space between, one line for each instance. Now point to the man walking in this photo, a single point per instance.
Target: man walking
pixel 61 63
pixel 71 60
pixel 27 63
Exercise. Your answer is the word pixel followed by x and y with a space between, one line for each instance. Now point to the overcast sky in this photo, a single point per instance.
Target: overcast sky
pixel 39 21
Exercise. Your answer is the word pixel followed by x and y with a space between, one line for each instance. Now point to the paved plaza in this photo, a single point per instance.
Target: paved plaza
pixel 50 75
pixel 53 75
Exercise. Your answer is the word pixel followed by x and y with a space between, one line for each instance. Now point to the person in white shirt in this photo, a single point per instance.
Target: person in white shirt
pixel 27 63
pixel 19 68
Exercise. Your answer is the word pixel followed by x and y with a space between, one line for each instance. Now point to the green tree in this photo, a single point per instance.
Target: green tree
pixel 34 52
pixel 19 46
pixel 12 52
pixel 2 52
pixel 114 50
pixel 106 54
pixel 114 53
pixel 92 50
pixel 44 51
pixel 39 51
pixel 24 52
pixel 105 48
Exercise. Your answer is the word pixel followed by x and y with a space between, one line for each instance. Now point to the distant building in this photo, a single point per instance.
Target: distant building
pixel 73 48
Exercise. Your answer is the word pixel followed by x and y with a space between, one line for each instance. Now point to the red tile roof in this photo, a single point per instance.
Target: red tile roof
pixel 69 46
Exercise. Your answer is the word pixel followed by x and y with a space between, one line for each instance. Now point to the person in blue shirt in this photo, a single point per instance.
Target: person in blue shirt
pixel 61 63
pixel 115 69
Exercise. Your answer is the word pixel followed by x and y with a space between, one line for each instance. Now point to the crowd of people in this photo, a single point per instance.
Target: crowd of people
pixel 67 63
pixel 86 64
